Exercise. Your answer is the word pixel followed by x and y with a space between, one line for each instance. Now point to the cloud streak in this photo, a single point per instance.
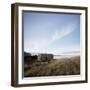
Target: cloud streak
pixel 64 31
pixel 59 33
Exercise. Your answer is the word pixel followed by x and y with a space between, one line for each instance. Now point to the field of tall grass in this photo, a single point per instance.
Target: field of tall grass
pixel 63 66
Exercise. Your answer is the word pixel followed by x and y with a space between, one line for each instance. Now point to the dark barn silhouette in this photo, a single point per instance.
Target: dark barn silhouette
pixel 28 58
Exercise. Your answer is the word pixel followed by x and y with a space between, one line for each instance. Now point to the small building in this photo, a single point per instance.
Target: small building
pixel 29 59
pixel 45 57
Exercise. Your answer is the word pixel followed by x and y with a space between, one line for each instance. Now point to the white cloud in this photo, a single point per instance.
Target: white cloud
pixel 64 31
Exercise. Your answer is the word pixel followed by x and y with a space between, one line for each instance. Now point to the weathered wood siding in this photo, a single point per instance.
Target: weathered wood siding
pixel 45 57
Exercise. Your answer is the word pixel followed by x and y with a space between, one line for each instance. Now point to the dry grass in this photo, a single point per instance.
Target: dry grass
pixel 65 66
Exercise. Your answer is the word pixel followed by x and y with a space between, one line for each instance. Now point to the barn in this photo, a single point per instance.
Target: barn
pixel 28 58
pixel 45 57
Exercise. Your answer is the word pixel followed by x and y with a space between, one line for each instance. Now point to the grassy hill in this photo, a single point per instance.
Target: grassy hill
pixel 65 66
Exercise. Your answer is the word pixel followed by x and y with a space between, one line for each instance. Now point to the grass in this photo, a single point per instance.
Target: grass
pixel 65 66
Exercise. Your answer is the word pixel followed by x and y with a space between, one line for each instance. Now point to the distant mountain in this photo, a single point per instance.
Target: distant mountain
pixel 71 53
pixel 67 55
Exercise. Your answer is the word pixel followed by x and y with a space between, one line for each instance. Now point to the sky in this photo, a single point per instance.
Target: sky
pixel 51 32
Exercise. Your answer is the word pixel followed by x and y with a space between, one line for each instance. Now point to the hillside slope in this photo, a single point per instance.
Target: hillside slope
pixel 65 66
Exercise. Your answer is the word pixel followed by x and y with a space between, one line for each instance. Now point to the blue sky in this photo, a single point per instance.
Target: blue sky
pixel 51 33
